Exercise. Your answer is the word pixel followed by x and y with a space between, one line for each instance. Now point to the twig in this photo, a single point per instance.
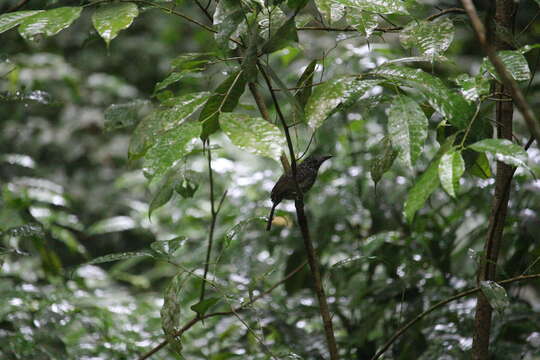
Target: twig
pixel 302 222
pixel 214 212
pixel 196 319
pixel 420 316
pixel 508 81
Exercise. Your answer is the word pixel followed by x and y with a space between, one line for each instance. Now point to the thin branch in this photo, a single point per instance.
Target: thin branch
pixel 197 319
pixel 420 316
pixel 304 228
pixel 508 81
pixel 214 214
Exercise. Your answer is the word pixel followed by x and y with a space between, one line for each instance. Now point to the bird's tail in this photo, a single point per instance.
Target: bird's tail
pixel 270 218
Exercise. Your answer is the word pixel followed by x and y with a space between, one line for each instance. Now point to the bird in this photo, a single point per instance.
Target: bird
pixel 285 187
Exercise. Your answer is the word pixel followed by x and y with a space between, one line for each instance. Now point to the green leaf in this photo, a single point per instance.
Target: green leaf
pixel 427 183
pixel 451 167
pixel 448 103
pixel 472 88
pixel 170 147
pixel 252 134
pixel 191 62
pixel 49 22
pixel 113 224
pixel 432 38
pixel 118 116
pixel 283 36
pixel 249 64
pixel 364 22
pixel 407 127
pixel 383 162
pixel 171 310
pixel 515 63
pixel 164 192
pixel 239 228
pixel 110 19
pixel 330 9
pixel 297 4
pixel 227 17
pixel 150 128
pixel 202 307
pixel 328 96
pixel 495 294
pixel 293 101
pixel 377 6
pixel 305 84
pixel 118 256
pixel 503 150
pixel 187 183
pixel 168 247
pixel 169 80
pixel 12 19
pixel 224 99
pixel 480 168
pixel 30 230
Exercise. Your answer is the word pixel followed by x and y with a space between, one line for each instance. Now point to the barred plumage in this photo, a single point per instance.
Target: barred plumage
pixel 285 188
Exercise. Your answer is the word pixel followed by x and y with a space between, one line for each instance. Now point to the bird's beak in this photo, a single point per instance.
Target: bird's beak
pixel 327 157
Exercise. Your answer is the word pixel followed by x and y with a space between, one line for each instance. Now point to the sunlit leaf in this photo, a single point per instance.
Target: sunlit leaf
pixel 430 37
pixel 328 96
pixel 515 64
pixel 224 99
pixel 407 127
pixel 363 21
pixel 448 103
pixel 503 150
pixel 30 230
pixel 171 310
pixel 118 256
pixel 496 295
pixel 427 183
pixel 331 10
pixel 227 18
pixel 168 247
pixel 170 147
pixel 253 134
pixel 451 167
pixel 472 88
pixel 12 19
pixel 110 19
pixel 49 22
pixel 114 224
pixel 149 129
pixel 377 6
pixel 118 116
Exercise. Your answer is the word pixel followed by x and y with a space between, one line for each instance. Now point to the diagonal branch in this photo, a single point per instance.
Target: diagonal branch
pixel 237 309
pixel 420 316
pixel 508 81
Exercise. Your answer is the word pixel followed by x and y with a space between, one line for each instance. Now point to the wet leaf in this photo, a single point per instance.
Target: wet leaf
pixel 110 19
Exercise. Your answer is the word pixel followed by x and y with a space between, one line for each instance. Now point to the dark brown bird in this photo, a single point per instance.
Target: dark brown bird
pixel 285 188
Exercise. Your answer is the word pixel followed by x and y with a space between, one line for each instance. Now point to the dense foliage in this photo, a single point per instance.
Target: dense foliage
pixel 139 142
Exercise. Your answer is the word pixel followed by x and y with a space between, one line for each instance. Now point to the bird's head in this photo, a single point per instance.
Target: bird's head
pixel 316 160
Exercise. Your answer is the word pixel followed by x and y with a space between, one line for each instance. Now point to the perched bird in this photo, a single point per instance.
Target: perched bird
pixel 285 188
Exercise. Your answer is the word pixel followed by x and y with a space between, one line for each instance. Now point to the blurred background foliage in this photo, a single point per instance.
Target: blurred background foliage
pixel 70 195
